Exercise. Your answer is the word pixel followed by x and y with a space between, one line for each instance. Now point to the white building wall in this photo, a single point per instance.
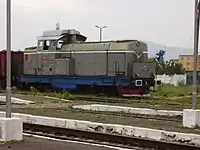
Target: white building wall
pixel 174 79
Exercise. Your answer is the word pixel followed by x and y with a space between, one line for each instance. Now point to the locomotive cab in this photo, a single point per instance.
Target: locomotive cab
pixel 54 40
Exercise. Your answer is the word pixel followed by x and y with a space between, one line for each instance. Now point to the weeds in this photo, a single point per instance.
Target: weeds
pixel 168 90
pixel 60 95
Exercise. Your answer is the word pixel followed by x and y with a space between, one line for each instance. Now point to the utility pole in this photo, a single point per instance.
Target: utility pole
pixel 100 31
pixel 196 40
pixel 8 61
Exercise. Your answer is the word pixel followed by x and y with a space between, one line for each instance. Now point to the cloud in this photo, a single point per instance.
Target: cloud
pixel 40 6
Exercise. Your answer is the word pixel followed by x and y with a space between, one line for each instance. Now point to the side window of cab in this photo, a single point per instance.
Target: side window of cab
pixel 40 45
pixel 46 45
pixel 43 45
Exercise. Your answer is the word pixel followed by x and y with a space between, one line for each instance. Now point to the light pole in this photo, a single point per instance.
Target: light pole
pixel 100 31
pixel 8 61
pixel 196 40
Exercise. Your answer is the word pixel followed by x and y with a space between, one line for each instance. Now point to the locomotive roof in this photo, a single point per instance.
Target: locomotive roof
pixel 60 32
pixel 57 34
pixel 106 45
pixel 117 41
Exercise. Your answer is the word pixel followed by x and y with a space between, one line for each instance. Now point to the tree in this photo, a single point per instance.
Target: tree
pixel 178 69
pixel 168 68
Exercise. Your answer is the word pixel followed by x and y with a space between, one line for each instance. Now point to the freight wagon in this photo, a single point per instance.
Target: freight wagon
pixel 63 59
pixel 17 58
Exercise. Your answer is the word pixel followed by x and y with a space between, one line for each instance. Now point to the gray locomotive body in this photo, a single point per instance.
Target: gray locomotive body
pixel 62 59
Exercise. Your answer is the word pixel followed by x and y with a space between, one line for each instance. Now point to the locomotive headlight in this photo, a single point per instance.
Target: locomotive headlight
pixel 137 75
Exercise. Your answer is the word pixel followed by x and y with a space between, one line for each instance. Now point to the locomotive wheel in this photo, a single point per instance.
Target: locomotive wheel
pixel 110 91
pixel 24 86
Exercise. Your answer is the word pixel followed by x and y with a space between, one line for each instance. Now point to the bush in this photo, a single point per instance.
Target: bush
pixel 61 95
pixel 181 83
pixel 167 90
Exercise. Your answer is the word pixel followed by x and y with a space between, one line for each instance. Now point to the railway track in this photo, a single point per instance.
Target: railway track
pixel 99 138
pixel 111 99
pixel 139 116
pixel 118 99
pixel 103 98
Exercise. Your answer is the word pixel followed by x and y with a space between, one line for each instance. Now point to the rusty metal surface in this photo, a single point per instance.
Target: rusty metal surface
pixel 16 63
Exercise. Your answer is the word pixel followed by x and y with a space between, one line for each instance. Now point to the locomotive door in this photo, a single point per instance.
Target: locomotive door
pixel 46 58
pixel 39 68
pixel 116 63
pixel 131 59
pixel 39 63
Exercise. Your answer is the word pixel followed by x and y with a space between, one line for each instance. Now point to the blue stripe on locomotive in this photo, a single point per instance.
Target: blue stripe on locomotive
pixel 70 82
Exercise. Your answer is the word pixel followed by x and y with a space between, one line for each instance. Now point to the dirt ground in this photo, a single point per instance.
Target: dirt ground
pixel 55 108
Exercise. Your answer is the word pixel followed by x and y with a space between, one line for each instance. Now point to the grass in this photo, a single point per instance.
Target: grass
pixel 172 91
pixel 60 95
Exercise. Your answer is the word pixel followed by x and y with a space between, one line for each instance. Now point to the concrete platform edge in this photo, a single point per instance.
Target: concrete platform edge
pixel 162 135
pixel 128 110
pixel 11 129
pixel 191 118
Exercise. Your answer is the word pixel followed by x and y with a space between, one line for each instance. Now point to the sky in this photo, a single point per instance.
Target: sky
pixel 167 22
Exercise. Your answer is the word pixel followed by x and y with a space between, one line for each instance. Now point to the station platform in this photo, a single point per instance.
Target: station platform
pixel 33 143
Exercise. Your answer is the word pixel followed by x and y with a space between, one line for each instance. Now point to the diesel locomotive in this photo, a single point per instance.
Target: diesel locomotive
pixel 64 60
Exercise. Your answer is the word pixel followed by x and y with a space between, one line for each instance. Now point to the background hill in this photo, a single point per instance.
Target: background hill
pixel 171 52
